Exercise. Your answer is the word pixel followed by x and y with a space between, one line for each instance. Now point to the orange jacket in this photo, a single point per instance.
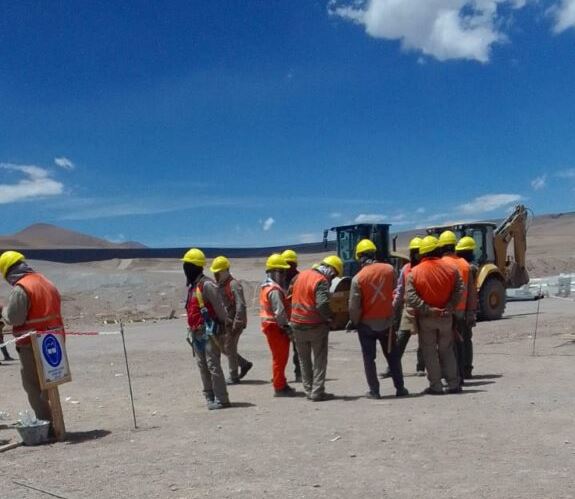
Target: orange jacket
pixel 303 304
pixel 434 280
pixel 463 268
pixel 376 284
pixel 44 312
pixel 266 309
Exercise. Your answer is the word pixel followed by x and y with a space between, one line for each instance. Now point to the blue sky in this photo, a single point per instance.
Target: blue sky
pixel 263 122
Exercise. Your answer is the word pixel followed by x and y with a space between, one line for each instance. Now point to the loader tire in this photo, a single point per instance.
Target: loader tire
pixel 492 300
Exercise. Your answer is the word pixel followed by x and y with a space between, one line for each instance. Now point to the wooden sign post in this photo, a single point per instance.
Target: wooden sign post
pixel 53 370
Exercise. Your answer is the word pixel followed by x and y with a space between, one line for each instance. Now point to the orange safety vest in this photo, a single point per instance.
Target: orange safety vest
pixel 44 307
pixel 266 310
pixel 376 284
pixel 463 268
pixel 434 280
pixel 303 306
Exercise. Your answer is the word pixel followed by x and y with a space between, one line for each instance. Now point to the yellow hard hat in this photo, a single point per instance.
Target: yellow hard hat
pixel 466 243
pixel 220 263
pixel 276 262
pixel 447 238
pixel 9 258
pixel 195 256
pixel 428 244
pixel 335 262
pixel 290 256
pixel 364 246
pixel 415 243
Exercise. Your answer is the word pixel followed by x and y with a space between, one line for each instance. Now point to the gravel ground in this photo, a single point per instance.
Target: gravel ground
pixel 510 434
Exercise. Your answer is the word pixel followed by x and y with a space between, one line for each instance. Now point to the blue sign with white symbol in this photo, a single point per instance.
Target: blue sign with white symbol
pixel 52 350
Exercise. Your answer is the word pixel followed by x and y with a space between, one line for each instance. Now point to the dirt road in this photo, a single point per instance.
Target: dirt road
pixel 510 434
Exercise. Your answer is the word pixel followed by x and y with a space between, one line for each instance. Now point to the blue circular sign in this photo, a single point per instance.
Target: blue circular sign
pixel 52 350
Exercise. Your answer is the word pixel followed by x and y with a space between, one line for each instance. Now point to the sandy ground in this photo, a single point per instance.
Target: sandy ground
pixel 510 434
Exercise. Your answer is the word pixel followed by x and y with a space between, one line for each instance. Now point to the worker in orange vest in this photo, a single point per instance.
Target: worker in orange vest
pixel 434 288
pixel 206 328
pixel 405 318
pixel 232 294
pixel 34 304
pixel 466 249
pixel 447 243
pixel 290 256
pixel 274 317
pixel 310 321
pixel 371 313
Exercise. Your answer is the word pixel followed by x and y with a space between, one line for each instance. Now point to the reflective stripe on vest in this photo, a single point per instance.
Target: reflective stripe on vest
pixel 44 306
pixel 376 285
pixel 463 269
pixel 434 280
pixel 303 306
pixel 266 310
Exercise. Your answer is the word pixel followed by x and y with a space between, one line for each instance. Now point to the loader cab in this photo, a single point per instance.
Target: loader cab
pixel 347 237
pixel 482 233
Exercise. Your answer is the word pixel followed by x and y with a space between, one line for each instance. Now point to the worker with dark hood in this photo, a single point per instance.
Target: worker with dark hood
pixel 34 304
pixel 434 288
pixel 290 256
pixel 371 313
pixel 206 328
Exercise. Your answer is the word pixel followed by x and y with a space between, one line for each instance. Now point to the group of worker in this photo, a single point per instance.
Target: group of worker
pixel 434 297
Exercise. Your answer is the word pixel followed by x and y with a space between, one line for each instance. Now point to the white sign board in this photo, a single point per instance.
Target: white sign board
pixel 51 359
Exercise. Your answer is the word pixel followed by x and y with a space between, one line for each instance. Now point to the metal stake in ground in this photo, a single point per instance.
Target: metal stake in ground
pixel 128 373
pixel 536 321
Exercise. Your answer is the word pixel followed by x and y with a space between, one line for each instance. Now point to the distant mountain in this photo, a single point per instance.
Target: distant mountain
pixel 47 236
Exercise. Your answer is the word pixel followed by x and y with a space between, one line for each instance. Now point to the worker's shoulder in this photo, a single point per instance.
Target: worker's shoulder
pixel 235 285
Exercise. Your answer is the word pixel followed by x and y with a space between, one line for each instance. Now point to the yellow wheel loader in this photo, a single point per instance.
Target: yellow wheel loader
pixel 498 269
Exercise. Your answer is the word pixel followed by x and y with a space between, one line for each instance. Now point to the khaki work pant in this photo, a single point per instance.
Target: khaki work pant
pixel 436 340
pixel 235 360
pixel 312 341
pixel 38 399
pixel 213 380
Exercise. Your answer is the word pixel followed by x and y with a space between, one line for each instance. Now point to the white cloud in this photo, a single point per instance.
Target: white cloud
pixel 443 29
pixel 420 211
pixel 36 183
pixel 267 223
pixel 65 163
pixel 335 215
pixel 370 218
pixel 564 15
pixel 539 183
pixel 489 202
pixel 569 173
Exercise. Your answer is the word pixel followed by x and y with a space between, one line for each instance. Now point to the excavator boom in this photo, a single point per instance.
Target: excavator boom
pixel 513 227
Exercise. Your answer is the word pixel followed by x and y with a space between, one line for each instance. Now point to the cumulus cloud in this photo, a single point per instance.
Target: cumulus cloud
pixel 489 202
pixel 65 163
pixel 539 183
pixel 36 183
pixel 267 223
pixel 569 173
pixel 443 29
pixel 370 218
pixel 563 14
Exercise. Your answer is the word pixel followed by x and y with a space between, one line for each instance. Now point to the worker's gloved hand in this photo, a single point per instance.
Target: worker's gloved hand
pixel 349 327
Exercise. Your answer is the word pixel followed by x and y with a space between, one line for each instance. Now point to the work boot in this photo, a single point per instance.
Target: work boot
pixel 323 397
pixel 385 375
pixel 286 391
pixel 372 395
pixel 245 369
pixel 214 405
pixel 233 381
pixel 457 389
pixel 466 374
pixel 429 391
pixel 401 392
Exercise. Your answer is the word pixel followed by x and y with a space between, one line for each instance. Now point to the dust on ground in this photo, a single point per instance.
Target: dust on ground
pixel 510 434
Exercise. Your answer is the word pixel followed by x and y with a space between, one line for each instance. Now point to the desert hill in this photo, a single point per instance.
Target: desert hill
pixel 47 236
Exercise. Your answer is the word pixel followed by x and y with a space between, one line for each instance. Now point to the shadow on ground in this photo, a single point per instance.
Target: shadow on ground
pixel 77 437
